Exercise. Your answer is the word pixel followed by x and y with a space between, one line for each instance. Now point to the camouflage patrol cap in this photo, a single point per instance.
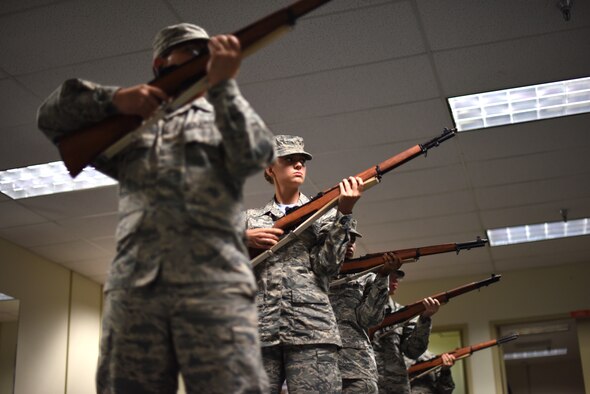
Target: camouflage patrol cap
pixel 290 145
pixel 176 34
pixel 353 230
pixel 400 274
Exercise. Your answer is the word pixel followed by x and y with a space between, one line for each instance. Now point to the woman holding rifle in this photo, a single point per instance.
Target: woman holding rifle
pixel 298 330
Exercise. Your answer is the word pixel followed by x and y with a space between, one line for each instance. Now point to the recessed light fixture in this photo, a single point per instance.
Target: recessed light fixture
pixel 50 178
pixel 521 104
pixel 538 232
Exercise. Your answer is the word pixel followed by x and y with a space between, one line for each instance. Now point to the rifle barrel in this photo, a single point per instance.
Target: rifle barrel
pixel 412 310
pixel 458 353
pixel 371 260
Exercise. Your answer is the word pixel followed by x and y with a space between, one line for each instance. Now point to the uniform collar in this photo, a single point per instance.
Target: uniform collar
pixel 200 104
pixel 272 207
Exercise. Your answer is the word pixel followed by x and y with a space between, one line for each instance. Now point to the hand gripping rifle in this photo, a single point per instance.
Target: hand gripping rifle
pixel 299 218
pixel 412 310
pixel 184 83
pixel 374 262
pixel 422 368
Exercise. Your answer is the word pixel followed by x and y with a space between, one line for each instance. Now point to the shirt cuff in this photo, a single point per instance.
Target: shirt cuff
pixel 104 98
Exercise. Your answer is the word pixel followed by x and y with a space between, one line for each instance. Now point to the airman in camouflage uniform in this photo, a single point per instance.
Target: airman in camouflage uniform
pixel 180 292
pixel 358 305
pixel 392 343
pixel 298 330
pixel 439 381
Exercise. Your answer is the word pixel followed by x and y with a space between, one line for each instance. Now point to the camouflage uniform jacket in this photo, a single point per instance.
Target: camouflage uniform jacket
pixel 392 343
pixel 359 305
pixel 180 183
pixel 435 382
pixel 292 298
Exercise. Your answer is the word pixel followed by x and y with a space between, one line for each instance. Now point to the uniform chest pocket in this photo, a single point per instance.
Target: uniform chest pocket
pixel 136 157
pixel 203 148
pixel 312 311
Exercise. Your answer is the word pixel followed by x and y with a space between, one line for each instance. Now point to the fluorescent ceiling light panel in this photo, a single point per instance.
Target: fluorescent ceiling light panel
pixel 522 104
pixel 48 178
pixel 535 354
pixel 538 232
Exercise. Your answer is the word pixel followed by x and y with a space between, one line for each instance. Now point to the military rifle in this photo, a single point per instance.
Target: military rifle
pixel 422 368
pixel 412 310
pixel 111 135
pixel 301 217
pixel 374 261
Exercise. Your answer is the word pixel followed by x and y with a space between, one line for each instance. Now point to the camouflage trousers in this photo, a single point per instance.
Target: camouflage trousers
pixel 393 385
pixel 306 368
pixel 207 333
pixel 359 386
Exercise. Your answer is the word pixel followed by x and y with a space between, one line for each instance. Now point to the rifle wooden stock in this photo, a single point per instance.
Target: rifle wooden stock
pixel 80 148
pixel 459 353
pixel 412 310
pixel 373 260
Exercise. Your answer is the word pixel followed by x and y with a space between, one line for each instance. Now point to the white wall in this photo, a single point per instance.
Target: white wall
pixel 84 335
pixel 8 334
pixel 58 329
pixel 541 292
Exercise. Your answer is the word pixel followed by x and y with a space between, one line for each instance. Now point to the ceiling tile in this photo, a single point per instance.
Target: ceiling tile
pixel 92 226
pixel 452 23
pixel 21 108
pixel 107 243
pixel 370 128
pixel 71 251
pixel 87 31
pixel 536 213
pixel 39 234
pixel 528 168
pixel 482 68
pixel 534 192
pixel 90 268
pixel 11 6
pixel 522 139
pixel 390 28
pixel 419 229
pixel 329 168
pixel 123 70
pixel 76 204
pixel 412 208
pixel 394 85
pixel 13 214
pixel 25 138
